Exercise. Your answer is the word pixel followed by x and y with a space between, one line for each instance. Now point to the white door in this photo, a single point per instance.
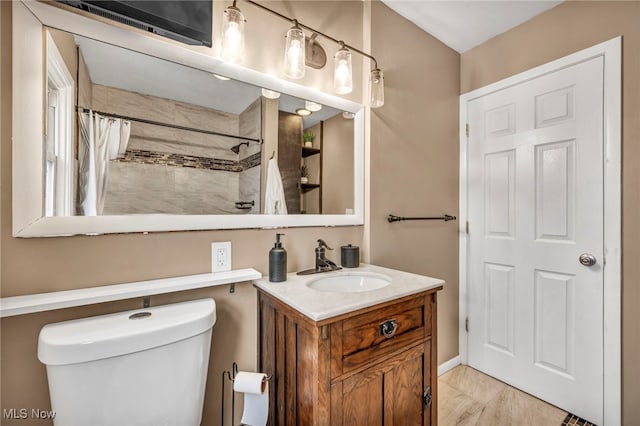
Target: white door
pixel 535 197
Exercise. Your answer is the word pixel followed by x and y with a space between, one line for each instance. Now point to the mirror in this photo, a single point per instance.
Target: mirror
pixel 152 136
pixel 132 131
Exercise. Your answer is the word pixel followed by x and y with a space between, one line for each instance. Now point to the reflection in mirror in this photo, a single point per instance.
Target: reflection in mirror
pixel 128 133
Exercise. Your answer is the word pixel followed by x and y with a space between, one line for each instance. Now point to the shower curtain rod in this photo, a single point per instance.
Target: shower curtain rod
pixel 173 126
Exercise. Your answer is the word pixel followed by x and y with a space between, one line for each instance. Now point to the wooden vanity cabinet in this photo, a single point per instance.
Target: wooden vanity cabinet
pixel 344 371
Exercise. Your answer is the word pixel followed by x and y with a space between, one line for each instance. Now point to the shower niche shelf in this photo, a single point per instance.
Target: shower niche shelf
pixel 308 152
pixel 306 187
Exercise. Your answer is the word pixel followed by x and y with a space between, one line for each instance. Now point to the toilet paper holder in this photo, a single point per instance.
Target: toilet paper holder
pixel 231 375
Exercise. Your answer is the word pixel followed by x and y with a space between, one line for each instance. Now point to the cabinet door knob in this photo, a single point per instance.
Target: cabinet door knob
pixel 388 328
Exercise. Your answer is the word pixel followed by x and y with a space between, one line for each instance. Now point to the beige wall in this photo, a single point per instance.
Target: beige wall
pixel 414 160
pixel 67 48
pixel 337 165
pixel 567 28
pixel 48 264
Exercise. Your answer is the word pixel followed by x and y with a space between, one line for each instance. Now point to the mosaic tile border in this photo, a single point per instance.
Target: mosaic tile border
pixel 142 156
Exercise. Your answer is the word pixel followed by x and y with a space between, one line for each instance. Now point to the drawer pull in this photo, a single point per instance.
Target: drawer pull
pixel 388 328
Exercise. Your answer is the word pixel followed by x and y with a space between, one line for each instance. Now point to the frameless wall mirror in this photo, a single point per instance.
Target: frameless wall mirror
pixel 143 135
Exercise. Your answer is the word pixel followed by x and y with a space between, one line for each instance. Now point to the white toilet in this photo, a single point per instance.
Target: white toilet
pixel 142 367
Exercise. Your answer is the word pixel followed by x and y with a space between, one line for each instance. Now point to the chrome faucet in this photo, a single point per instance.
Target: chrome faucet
pixel 322 263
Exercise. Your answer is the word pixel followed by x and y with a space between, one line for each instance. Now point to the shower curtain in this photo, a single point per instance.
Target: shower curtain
pixel 101 139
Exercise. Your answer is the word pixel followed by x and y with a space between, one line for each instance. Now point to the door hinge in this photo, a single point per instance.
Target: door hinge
pixel 466 325
pixel 466 227
pixel 467 129
pixel 426 397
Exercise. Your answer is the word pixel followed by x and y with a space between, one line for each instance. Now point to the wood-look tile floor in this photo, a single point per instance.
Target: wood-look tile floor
pixel 469 397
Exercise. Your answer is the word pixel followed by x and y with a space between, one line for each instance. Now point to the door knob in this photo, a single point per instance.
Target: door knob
pixel 587 259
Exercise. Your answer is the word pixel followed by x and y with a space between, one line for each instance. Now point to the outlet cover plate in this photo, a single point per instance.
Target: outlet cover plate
pixel 221 256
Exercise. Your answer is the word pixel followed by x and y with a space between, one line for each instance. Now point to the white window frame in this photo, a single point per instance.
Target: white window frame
pixel 59 79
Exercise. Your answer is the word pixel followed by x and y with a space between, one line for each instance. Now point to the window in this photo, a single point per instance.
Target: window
pixel 59 163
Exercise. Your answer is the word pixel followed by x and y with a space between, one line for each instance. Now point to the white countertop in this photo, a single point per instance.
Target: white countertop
pixel 320 305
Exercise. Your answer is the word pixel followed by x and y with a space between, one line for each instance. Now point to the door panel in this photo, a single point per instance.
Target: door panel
pixel 500 295
pixel 535 188
pixel 555 196
pixel 554 316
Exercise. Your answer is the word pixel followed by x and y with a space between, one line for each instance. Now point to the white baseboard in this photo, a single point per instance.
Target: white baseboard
pixel 448 365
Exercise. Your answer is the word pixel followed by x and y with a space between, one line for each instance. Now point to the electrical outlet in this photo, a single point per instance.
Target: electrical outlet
pixel 221 256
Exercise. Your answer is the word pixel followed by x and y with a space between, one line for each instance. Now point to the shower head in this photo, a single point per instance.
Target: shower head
pixel 236 148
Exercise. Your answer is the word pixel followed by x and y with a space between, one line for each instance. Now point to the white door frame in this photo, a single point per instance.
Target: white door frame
pixel 611 53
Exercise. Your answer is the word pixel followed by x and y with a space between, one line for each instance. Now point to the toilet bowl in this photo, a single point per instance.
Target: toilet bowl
pixel 141 367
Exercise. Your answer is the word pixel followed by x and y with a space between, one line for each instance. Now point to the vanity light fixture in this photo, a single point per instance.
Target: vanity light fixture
pixel 294 52
pixel 232 35
pixel 270 94
pixel 312 106
pixel 303 112
pixel 294 58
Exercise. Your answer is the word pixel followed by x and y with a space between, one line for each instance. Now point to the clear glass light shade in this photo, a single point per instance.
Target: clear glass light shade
pixel 270 94
pixel 342 80
pixel 303 112
pixel 348 115
pixel 294 53
pixel 232 35
pixel 312 106
pixel 376 89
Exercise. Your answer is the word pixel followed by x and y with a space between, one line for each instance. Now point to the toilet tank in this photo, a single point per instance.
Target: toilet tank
pixel 141 367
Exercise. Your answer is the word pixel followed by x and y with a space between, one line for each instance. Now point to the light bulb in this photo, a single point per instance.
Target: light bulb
pixel 376 88
pixel 293 56
pixel 270 94
pixel 294 53
pixel 342 81
pixel 312 106
pixel 232 35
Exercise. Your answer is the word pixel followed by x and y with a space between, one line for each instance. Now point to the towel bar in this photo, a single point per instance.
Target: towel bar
pixel 393 218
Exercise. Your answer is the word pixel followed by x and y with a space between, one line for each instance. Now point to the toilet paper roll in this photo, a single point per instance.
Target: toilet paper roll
pixel 256 397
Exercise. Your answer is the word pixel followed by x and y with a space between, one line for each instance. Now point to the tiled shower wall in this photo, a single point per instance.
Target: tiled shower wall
pixel 250 126
pixel 175 171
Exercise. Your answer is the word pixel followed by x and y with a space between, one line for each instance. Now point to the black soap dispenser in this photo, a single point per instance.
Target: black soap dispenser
pixel 277 262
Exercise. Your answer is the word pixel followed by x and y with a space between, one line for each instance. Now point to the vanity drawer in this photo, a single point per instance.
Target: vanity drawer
pixel 362 339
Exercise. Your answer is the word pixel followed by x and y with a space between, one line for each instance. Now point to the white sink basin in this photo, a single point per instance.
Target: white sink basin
pixel 349 282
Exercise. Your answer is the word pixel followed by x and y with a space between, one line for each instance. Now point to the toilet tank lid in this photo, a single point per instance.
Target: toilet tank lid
pixel 105 336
